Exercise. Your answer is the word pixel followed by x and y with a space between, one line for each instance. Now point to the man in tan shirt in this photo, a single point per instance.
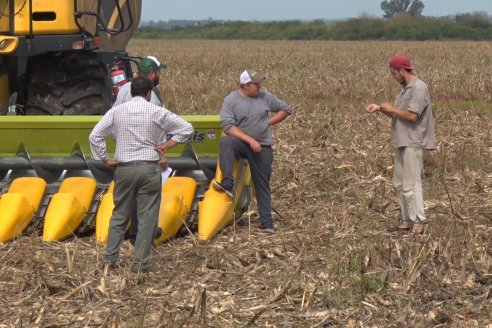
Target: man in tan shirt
pixel 412 133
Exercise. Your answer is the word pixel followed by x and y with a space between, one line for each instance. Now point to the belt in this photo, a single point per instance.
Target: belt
pixel 137 163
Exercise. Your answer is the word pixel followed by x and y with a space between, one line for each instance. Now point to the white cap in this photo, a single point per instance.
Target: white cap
pixel 250 75
pixel 155 60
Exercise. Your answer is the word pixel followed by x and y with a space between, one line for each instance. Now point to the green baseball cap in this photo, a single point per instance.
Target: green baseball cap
pixel 149 64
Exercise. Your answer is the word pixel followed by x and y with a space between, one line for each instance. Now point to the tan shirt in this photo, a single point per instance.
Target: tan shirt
pixel 415 98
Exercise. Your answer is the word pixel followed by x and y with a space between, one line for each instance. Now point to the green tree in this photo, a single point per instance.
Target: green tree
pixel 391 8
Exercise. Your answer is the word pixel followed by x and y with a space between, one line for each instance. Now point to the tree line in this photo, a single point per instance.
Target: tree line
pixel 467 26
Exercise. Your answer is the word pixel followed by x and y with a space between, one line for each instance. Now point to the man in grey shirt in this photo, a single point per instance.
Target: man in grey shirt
pixel 412 133
pixel 245 119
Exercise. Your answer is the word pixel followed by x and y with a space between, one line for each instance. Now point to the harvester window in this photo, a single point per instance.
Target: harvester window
pixel 44 16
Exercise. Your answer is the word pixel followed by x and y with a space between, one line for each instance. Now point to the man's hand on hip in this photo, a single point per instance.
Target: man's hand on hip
pixel 111 163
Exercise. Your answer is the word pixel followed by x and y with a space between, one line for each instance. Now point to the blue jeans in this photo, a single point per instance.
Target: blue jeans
pixel 260 165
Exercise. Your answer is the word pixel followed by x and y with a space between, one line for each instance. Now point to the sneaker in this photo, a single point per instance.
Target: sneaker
pixel 219 187
pixel 139 269
pixel 270 231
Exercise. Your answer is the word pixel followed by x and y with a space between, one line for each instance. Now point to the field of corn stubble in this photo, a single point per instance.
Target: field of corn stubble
pixel 335 260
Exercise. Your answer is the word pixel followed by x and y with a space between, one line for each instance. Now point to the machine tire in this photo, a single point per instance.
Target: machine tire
pixel 72 85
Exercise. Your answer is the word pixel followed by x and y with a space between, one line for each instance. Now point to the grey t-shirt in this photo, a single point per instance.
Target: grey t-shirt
pixel 250 114
pixel 415 98
pixel 125 95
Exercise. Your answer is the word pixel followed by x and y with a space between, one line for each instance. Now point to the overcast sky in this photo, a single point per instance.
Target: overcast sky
pixel 292 9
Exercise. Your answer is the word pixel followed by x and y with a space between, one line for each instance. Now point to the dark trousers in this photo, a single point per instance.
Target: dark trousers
pixel 261 170
pixel 140 184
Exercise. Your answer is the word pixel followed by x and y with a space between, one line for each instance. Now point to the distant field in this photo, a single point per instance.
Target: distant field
pixel 312 73
pixel 335 261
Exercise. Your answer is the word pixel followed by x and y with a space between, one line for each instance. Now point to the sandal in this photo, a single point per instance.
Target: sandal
pixel 417 229
pixel 405 226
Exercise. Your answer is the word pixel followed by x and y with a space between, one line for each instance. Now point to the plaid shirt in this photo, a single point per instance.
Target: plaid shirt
pixel 138 127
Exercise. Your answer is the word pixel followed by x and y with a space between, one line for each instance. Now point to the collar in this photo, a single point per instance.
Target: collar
pixel 139 98
pixel 410 84
pixel 412 81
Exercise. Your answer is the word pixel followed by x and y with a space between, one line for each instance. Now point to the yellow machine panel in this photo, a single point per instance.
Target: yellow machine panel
pixel 68 208
pixel 214 212
pixel 176 201
pixel 19 205
pixel 217 209
pixel 104 213
pixel 49 17
pixel 8 45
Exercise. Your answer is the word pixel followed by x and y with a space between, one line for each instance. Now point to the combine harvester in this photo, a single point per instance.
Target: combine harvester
pixel 61 63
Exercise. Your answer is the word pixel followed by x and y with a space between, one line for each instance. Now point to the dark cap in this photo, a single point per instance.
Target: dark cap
pixel 149 64
pixel 401 61
pixel 250 75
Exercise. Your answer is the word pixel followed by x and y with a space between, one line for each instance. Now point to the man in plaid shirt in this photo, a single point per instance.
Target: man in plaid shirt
pixel 137 127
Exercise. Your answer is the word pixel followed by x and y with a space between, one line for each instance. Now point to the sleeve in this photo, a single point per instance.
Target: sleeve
pixel 418 101
pixel 97 137
pixel 276 105
pixel 175 126
pixel 227 117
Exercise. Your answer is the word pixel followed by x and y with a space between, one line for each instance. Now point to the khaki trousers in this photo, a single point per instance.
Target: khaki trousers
pixel 408 184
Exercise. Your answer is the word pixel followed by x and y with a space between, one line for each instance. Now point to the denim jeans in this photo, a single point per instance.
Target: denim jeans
pixel 260 165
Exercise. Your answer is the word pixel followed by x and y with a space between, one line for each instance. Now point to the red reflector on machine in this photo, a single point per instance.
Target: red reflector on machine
pixel 96 42
pixel 78 45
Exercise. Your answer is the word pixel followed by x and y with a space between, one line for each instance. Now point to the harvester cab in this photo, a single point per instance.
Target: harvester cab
pixel 61 63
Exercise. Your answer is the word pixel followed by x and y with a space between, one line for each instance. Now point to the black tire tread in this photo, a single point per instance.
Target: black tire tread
pixel 67 86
